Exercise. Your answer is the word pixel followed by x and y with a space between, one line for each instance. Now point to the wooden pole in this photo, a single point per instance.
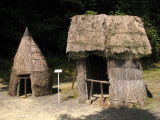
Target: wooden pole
pixel 18 88
pixel 102 93
pixel 25 87
pixel 91 89
pixel 74 79
pixel 58 90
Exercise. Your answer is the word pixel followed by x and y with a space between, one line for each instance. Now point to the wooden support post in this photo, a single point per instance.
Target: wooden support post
pixel 91 89
pixel 18 87
pixel 102 93
pixel 74 79
pixel 25 87
pixel 82 85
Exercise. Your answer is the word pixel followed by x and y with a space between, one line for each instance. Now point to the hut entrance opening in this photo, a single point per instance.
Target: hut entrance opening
pixel 24 85
pixel 97 72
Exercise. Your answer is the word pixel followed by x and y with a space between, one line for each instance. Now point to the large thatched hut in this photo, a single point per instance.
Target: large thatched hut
pixel 30 73
pixel 107 49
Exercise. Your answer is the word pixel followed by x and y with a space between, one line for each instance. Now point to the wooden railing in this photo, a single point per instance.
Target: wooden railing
pixel 101 86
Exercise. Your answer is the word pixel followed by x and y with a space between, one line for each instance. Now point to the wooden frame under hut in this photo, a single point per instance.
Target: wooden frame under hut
pixel 107 49
pixel 30 73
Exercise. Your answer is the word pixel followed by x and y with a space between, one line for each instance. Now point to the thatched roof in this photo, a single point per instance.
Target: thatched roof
pixel 107 35
pixel 29 60
pixel 29 57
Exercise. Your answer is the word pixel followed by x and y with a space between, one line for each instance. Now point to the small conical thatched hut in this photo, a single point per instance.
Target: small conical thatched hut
pixel 107 49
pixel 30 73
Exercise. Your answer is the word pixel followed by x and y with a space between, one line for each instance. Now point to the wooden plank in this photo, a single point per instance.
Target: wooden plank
pixel 99 81
pixel 24 77
pixel 99 95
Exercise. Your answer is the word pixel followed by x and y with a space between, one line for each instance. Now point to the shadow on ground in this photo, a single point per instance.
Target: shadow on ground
pixel 149 94
pixel 55 90
pixel 116 114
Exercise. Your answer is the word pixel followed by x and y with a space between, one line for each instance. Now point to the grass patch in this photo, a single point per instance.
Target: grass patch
pixel 152 80
pixel 66 77
pixel 66 91
pixel 68 68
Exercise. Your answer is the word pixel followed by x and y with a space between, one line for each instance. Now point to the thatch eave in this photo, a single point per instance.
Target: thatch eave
pixel 111 36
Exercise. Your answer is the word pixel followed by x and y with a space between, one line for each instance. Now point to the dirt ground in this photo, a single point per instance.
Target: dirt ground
pixel 47 108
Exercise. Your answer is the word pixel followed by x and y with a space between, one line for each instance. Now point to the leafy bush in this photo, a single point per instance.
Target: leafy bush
pixel 5 75
pixel 154 38
pixel 5 69
pixel 55 62
pixel 118 12
pixel 89 12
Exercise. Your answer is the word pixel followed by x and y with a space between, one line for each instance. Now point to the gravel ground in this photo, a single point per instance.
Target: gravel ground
pixel 41 108
pixel 47 108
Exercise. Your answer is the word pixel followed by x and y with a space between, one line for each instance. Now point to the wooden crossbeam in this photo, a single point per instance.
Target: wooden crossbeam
pixel 23 77
pixel 99 81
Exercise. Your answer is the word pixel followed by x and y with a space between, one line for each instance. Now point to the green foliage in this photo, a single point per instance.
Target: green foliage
pixel 56 62
pixel 89 12
pixel 118 12
pixel 149 107
pixel 154 38
pixel 151 76
pixel 5 75
pixel 5 69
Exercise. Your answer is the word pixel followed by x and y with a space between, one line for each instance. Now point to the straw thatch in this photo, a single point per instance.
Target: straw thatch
pixel 127 86
pixel 119 37
pixel 29 60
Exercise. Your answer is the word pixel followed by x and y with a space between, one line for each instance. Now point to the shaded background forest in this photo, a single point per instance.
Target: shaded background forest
pixel 49 20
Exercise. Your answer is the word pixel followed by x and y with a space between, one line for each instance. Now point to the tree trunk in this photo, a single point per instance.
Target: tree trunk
pixel 127 86
pixel 82 86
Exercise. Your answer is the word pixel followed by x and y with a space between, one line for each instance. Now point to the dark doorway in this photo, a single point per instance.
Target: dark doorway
pixel 24 87
pixel 97 70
